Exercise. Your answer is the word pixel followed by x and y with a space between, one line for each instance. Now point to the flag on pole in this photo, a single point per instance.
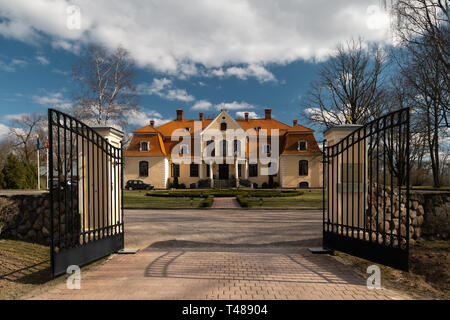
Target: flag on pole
pixel 39 143
pixel 47 145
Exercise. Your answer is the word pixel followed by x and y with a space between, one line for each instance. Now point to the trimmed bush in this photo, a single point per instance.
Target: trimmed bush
pixel 207 202
pixel 243 201
pixel 205 183
pixel 245 183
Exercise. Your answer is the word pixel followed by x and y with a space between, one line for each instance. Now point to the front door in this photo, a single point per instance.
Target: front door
pixel 223 171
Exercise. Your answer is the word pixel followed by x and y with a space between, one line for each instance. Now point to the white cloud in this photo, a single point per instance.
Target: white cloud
pixel 42 60
pixel 12 117
pixel 165 89
pixel 12 64
pixel 202 105
pixel 251 114
pixel 243 73
pixel 234 106
pixel 174 36
pixel 54 100
pixel 4 131
pixel 142 118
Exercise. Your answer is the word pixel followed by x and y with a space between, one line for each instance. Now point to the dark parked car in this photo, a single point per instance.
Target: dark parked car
pixel 138 185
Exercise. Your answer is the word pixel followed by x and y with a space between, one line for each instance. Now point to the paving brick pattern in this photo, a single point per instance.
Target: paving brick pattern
pixel 225 203
pixel 221 254
pixel 205 274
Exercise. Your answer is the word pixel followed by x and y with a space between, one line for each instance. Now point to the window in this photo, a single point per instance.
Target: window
pixel 224 147
pixel 213 149
pixel 194 170
pixel 223 126
pixel 207 171
pixel 301 146
pixel 143 169
pixel 303 168
pixel 237 147
pixel 253 170
pixel 275 165
pixel 184 149
pixel 175 170
pixel 144 147
pixel 239 170
pixel 303 185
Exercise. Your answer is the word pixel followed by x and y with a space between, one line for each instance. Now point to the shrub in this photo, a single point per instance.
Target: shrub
pixel 207 202
pixel 265 185
pixel 18 175
pixel 182 186
pixel 205 183
pixel 245 183
pixel 243 201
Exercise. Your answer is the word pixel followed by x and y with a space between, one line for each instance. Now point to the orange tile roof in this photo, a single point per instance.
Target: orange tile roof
pixel 289 136
pixel 146 129
pixel 157 147
pixel 291 141
pixel 299 128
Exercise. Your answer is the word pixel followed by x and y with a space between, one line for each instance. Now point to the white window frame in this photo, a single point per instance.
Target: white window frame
pixel 184 147
pixel 147 146
pixel 298 145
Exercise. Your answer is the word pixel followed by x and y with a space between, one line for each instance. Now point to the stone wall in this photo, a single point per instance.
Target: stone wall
pixel 27 217
pixel 429 213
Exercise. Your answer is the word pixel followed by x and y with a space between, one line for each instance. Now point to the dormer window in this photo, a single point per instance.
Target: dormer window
pixel 301 145
pixel 258 128
pixel 184 149
pixel 187 129
pixel 223 126
pixel 144 146
pixel 267 148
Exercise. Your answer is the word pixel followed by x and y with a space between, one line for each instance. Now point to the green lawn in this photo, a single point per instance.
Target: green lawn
pixel 138 199
pixel 308 200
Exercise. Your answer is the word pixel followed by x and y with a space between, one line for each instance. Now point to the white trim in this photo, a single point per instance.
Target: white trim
pixel 215 119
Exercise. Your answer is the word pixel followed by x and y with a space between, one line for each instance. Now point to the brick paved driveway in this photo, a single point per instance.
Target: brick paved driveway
pixel 221 254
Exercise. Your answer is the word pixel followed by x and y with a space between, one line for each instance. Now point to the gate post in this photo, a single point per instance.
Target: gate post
pixel 334 183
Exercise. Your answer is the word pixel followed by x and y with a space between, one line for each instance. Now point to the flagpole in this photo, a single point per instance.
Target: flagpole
pixel 39 174
pixel 46 147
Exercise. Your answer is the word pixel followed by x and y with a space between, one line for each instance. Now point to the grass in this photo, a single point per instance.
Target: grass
pixel 287 199
pixel 308 200
pixel 25 269
pixel 428 277
pixel 138 199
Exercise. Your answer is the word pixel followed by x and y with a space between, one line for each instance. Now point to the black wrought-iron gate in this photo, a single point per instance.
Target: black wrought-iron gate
pixel 366 184
pixel 86 183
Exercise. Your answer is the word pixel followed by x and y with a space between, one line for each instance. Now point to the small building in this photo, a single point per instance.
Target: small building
pixel 225 152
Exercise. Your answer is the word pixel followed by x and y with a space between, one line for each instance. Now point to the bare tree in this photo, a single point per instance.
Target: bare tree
pixel 423 30
pixel 24 133
pixel 106 89
pixel 350 86
pixel 422 26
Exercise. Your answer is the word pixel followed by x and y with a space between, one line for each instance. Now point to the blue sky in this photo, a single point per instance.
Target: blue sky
pixel 200 56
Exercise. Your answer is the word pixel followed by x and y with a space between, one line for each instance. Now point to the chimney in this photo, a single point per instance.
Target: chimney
pixel 179 114
pixel 246 116
pixel 268 112
pixel 200 115
pixel 152 123
pixel 294 122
